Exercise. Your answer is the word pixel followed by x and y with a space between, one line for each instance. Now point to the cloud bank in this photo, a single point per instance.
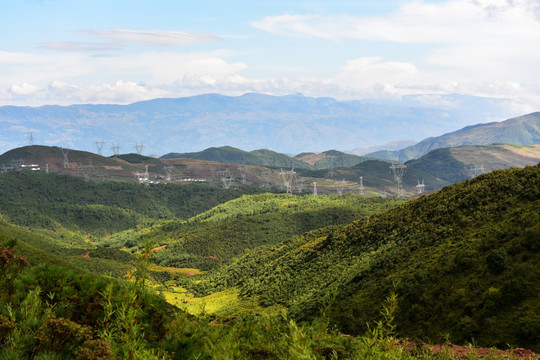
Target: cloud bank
pixel 472 47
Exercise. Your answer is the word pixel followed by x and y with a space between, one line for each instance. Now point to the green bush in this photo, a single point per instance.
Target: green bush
pixel 497 260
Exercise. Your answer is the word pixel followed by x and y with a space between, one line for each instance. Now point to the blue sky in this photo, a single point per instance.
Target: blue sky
pixel 116 51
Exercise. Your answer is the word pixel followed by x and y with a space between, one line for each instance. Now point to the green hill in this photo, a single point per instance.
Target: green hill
pixel 330 159
pixel 228 154
pixel 464 261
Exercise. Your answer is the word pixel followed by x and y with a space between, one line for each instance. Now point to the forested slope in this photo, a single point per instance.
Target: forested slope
pixel 465 261
pixel 53 201
pixel 229 230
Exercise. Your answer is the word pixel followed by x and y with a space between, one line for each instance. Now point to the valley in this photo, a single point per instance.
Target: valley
pixel 228 256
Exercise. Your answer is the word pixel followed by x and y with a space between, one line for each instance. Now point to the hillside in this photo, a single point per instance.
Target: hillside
pixel 53 201
pixel 464 262
pixel 456 164
pixel 523 130
pixel 83 164
pixel 377 178
pixel 229 230
pixel 330 159
pixel 228 154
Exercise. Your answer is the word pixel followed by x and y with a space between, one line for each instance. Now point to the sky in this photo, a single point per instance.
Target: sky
pixel 122 51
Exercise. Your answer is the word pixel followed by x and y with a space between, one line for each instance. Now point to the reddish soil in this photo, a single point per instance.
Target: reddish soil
pixel 311 159
pixel 473 352
pixel 467 352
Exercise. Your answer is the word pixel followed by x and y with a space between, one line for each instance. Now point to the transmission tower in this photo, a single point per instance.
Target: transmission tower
pixel 86 170
pixel 226 178
pixel 30 139
pixel 299 183
pixel 116 149
pixel 16 164
pixel 139 148
pixel 331 172
pixel 477 170
pixel 289 178
pixel 420 187
pixel 398 170
pixel 266 175
pixel 168 170
pixel 99 144
pixel 340 185
pixel 314 189
pixel 144 178
pixel 65 153
pixel 243 172
pixel 361 188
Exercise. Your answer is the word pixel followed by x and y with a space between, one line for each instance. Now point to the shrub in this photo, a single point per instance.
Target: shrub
pixel 496 261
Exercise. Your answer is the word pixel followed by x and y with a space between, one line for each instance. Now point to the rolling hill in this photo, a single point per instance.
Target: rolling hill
pixel 228 154
pixel 53 201
pixel 523 130
pixel 463 262
pixel 330 159
pixel 229 230
pixel 457 163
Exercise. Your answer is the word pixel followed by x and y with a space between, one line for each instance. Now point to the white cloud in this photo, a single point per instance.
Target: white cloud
pixel 416 21
pixel 467 39
pixel 370 70
pixel 79 46
pixel 8 57
pixel 149 37
pixel 74 68
pixel 119 92
pixel 24 89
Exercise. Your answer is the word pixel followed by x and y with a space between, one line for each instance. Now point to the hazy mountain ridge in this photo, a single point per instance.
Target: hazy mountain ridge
pixel 289 124
pixel 522 130
pixel 458 163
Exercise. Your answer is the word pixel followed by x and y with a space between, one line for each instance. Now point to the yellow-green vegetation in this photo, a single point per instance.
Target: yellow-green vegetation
pixel 225 304
pixel 229 230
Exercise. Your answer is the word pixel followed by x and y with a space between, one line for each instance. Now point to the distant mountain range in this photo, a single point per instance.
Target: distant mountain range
pixel 521 130
pixel 287 124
